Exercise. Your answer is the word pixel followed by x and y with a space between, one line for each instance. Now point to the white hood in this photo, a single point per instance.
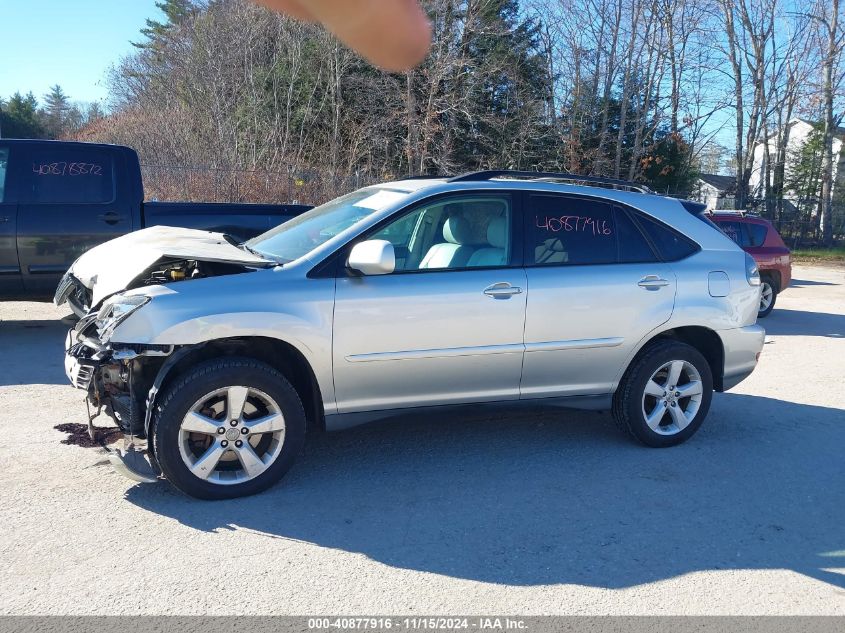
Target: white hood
pixel 112 266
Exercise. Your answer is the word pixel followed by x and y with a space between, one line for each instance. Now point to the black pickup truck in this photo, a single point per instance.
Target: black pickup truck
pixel 59 198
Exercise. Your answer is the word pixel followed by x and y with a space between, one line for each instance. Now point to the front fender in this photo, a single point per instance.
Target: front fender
pixel 299 315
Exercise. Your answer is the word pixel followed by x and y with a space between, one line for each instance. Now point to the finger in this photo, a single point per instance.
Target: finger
pixel 392 34
pixel 292 8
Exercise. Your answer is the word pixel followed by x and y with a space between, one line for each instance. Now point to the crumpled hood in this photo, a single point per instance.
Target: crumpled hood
pixel 113 265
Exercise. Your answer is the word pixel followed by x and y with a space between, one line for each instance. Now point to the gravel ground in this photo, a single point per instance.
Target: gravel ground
pixel 553 513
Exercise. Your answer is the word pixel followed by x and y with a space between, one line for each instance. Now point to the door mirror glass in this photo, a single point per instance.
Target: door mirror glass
pixel 373 257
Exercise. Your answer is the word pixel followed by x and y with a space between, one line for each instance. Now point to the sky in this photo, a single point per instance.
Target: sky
pixel 73 43
pixel 67 42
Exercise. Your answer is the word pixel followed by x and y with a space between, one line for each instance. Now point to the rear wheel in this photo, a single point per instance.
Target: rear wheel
pixel 768 294
pixel 665 394
pixel 228 428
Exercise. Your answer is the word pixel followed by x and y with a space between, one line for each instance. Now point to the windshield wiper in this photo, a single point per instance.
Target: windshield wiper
pixel 262 255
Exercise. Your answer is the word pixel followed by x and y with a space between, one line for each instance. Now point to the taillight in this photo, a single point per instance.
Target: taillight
pixel 752 273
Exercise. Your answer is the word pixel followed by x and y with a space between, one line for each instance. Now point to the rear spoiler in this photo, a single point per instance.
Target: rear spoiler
pixel 699 210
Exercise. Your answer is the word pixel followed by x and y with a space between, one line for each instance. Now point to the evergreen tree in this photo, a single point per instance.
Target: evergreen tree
pixel 509 89
pixel 56 111
pixel 667 167
pixel 804 171
pixel 19 117
pixel 157 33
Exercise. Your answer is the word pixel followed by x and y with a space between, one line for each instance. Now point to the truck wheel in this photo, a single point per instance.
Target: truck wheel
pixel 665 395
pixel 228 428
pixel 768 294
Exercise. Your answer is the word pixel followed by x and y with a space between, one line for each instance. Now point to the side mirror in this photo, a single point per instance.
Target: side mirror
pixel 373 257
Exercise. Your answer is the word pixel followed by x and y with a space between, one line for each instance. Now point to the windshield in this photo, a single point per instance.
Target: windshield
pixel 304 233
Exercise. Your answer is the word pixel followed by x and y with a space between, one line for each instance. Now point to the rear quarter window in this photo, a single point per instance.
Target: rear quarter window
pixel 757 234
pixel 68 175
pixel 734 230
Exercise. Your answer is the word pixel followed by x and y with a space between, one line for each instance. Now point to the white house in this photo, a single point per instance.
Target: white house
pixel 799 131
pixel 715 190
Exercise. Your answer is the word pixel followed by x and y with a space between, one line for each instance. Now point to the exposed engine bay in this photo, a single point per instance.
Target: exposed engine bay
pixel 80 298
pixel 155 255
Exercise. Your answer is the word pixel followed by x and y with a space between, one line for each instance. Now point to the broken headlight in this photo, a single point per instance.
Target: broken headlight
pixel 114 311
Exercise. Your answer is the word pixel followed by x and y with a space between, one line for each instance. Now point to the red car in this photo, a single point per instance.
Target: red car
pixel 761 240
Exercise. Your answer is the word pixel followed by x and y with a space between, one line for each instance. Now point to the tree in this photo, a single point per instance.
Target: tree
pixel 833 43
pixel 804 178
pixel 157 33
pixel 749 29
pixel 56 112
pixel 666 166
pixel 19 117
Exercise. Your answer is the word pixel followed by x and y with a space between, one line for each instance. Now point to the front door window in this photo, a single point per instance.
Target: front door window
pixel 452 233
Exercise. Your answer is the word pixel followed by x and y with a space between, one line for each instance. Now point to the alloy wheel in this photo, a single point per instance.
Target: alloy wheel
pixel 672 397
pixel 767 293
pixel 231 435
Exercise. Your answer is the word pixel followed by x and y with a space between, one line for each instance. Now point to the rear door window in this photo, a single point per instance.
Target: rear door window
pixel 564 230
pixel 671 245
pixel 68 175
pixel 568 230
pixel 633 246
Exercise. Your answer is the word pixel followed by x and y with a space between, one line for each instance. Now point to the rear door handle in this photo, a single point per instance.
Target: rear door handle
pixel 3 219
pixel 111 217
pixel 652 282
pixel 502 290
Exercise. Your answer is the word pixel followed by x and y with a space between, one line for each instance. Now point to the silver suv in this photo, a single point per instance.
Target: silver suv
pixel 493 287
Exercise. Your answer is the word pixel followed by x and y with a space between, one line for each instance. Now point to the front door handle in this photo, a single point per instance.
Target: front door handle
pixel 110 218
pixel 502 290
pixel 652 282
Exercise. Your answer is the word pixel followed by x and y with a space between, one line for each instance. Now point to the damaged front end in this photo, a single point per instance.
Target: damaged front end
pixel 104 287
pixel 151 256
pixel 118 380
pixel 80 297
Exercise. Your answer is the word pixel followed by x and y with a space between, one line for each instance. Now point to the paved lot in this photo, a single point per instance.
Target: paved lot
pixel 552 513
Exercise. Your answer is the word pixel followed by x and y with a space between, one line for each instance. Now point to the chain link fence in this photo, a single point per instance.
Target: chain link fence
pixel 211 184
pixel 798 221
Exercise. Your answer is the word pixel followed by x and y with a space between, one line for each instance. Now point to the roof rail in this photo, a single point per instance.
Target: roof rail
pixel 550 175
pixel 740 212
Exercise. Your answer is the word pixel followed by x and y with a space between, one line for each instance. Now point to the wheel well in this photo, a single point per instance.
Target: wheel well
pixel 706 341
pixel 281 356
pixel 774 275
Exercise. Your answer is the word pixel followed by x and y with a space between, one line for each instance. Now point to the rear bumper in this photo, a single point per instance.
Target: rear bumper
pixel 742 348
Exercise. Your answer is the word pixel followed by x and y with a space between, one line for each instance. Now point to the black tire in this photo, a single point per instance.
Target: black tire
pixel 762 314
pixel 205 378
pixel 628 399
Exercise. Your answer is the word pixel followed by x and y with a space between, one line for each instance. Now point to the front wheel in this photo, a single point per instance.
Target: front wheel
pixel 665 395
pixel 228 428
